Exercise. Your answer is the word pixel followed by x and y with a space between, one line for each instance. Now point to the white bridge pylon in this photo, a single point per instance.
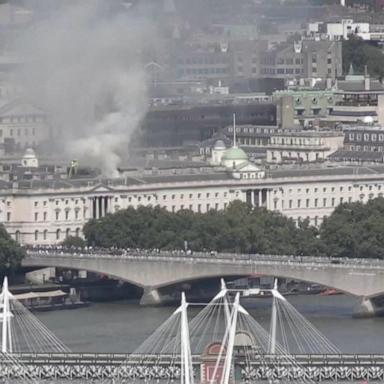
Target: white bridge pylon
pixel 226 327
pixel 21 331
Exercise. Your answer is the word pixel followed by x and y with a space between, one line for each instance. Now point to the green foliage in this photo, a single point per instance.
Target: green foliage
pixel 73 241
pixel 360 53
pixel 235 229
pixel 11 253
pixel 355 230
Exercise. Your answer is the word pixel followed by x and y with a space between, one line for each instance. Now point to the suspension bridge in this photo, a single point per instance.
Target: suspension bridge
pixel 222 344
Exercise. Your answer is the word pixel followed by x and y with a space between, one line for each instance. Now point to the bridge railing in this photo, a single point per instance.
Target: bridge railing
pixel 206 257
pixel 126 357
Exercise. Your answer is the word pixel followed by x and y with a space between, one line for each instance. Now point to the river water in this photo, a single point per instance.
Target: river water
pixel 122 326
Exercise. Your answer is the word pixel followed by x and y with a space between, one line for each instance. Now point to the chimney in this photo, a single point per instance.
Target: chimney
pixel 367 80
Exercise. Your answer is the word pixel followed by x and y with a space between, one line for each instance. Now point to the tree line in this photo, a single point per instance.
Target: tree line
pixel 353 230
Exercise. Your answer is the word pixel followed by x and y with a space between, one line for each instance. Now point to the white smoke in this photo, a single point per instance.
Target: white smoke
pixel 84 67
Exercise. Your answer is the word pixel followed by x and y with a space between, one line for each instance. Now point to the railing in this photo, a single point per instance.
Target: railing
pixel 210 257
pixel 74 358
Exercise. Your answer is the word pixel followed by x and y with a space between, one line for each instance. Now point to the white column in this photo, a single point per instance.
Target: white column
pixel 97 206
pixel 260 193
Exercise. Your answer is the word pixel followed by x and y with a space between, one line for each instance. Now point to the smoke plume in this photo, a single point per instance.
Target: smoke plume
pixel 83 65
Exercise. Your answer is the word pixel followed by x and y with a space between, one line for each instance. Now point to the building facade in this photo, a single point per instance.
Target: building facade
pixel 46 212
pixel 303 146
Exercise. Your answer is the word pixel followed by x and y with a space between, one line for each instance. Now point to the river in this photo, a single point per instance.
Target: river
pixel 122 325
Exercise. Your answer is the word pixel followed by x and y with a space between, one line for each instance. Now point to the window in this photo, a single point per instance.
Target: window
pixel 36 235
pixel 45 216
pixel 307 203
pixel 324 202
pixel 76 215
pixel 57 213
pixel 298 203
pixel 315 202
pixel 58 233
pixel 8 216
pixel 45 234
pixel 333 201
pixel 290 203
pixel 66 215
pixel 190 196
pixel 36 203
pixel 36 216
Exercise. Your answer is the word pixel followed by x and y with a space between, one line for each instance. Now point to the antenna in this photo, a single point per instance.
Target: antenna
pixel 234 131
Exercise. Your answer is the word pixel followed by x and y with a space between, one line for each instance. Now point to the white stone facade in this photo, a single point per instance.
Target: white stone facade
pixel 303 146
pixel 47 216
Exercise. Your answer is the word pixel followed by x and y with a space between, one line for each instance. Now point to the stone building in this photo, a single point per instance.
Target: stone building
pixel 47 211
pixel 303 146
pixel 303 59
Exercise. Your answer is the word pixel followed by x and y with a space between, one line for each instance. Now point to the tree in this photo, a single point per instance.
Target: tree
pixel 238 228
pixel 355 230
pixel 360 53
pixel 11 254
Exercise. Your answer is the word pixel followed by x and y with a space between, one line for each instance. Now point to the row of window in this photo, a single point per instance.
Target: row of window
pixel 181 196
pixel 202 71
pixel 58 216
pixel 17 132
pixel 199 207
pixel 329 189
pixel 321 203
pixel 252 130
pixel 366 137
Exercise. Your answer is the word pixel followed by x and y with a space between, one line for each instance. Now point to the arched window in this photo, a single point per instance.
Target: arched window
pixel 45 233
pixel 67 232
pixel 58 233
pixel 17 236
pixel 36 235
pixel 77 232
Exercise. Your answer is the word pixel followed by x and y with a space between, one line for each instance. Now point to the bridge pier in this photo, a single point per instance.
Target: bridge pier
pixel 370 307
pixel 151 296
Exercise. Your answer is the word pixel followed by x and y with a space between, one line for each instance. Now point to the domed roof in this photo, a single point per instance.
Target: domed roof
pixel 219 145
pixel 235 153
pixel 29 153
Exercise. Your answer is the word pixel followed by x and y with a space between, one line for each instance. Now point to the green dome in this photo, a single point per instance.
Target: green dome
pixel 234 154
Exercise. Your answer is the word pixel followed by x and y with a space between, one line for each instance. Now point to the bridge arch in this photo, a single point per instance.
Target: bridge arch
pixel 156 272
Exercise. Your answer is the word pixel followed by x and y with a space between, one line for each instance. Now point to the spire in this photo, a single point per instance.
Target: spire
pixel 234 131
pixel 351 72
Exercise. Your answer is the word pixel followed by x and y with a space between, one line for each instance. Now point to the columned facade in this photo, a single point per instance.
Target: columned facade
pixel 259 198
pixel 100 206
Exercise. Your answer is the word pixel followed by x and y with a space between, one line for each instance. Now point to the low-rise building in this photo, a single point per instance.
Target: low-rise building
pixel 303 146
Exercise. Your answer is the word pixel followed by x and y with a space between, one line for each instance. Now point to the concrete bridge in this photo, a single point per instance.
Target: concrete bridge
pixel 360 277
pixel 106 367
